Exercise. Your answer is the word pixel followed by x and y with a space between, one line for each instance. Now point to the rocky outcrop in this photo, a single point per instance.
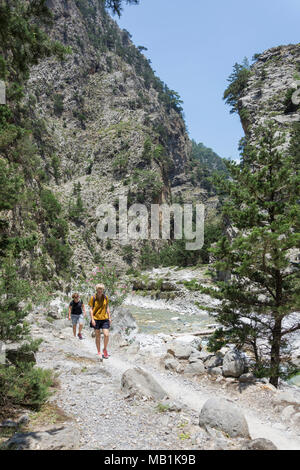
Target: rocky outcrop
pixel 122 321
pixel 274 78
pixel 63 438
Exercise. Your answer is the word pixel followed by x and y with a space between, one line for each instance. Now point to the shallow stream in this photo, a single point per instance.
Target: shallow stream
pixel 158 320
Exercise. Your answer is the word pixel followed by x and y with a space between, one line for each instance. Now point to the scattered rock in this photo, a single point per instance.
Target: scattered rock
pixel 259 444
pixel 139 382
pixel 172 364
pixel 133 348
pixel 247 378
pixel 291 397
pixel 225 416
pixel 54 314
pixel 213 361
pixel 195 356
pixel 287 413
pixel 215 371
pixel 172 405
pixel 233 364
pixel 195 368
pixel 190 340
pixel 179 350
pixel 296 420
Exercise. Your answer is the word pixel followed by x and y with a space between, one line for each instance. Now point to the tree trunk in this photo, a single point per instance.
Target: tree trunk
pixel 275 353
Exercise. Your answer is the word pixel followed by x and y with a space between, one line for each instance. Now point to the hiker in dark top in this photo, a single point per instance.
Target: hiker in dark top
pixel 76 308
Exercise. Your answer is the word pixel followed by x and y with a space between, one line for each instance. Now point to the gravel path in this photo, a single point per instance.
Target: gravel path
pixel 90 393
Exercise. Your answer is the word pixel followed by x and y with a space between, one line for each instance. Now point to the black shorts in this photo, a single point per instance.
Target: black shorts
pixel 102 324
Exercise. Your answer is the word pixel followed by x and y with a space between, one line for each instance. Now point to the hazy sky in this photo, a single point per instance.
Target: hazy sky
pixel 193 45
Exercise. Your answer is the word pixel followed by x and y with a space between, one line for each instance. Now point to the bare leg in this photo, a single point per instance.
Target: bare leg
pixel 80 327
pixel 97 340
pixel 106 338
pixel 74 329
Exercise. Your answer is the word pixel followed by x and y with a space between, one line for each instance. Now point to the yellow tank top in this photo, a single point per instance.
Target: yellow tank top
pixel 100 307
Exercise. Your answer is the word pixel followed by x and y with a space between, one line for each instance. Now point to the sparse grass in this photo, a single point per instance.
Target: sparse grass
pixel 81 360
pixel 203 307
pixel 183 436
pixel 162 408
pixel 192 285
pixel 50 413
pixel 182 425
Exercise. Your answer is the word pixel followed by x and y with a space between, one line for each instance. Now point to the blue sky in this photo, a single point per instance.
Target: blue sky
pixel 193 45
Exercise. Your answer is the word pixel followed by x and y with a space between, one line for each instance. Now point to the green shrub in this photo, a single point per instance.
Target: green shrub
pixel 120 164
pixel 24 385
pixel 10 185
pixel 50 204
pixel 58 104
pixel 127 253
pixel 60 252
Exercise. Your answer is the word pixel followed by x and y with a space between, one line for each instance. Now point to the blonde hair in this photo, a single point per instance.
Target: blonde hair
pixel 100 286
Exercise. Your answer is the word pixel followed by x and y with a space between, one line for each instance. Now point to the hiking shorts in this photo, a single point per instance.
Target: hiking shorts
pixel 77 319
pixel 102 324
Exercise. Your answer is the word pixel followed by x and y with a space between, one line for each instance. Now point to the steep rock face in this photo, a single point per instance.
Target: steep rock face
pixel 273 82
pixel 268 95
pixel 105 121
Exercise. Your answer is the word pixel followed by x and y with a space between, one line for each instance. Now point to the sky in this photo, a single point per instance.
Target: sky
pixel 193 46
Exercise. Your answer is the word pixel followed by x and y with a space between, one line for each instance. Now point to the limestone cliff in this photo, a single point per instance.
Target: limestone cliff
pixel 104 120
pixel 273 80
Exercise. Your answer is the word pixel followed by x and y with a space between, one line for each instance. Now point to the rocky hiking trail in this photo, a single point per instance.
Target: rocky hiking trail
pixel 99 414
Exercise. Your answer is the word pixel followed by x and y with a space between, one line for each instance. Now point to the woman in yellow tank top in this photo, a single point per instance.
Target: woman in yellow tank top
pixel 100 318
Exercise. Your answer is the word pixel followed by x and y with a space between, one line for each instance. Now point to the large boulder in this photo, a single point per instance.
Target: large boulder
pixel 233 364
pixel 123 321
pixel 290 397
pixel 195 357
pixel 172 364
pixel 190 340
pixel 223 415
pixel 213 361
pixel 195 368
pixel 64 438
pixel 139 382
pixel 180 350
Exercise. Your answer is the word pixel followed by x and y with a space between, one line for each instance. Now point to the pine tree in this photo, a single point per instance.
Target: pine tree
pixel 258 302
pixel 238 81
pixel 22 44
pixel 116 5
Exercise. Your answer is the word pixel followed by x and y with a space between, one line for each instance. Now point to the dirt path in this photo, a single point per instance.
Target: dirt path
pixel 90 392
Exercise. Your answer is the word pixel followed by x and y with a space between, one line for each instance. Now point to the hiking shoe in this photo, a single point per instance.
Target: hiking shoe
pixel 80 336
pixel 105 355
pixel 99 355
